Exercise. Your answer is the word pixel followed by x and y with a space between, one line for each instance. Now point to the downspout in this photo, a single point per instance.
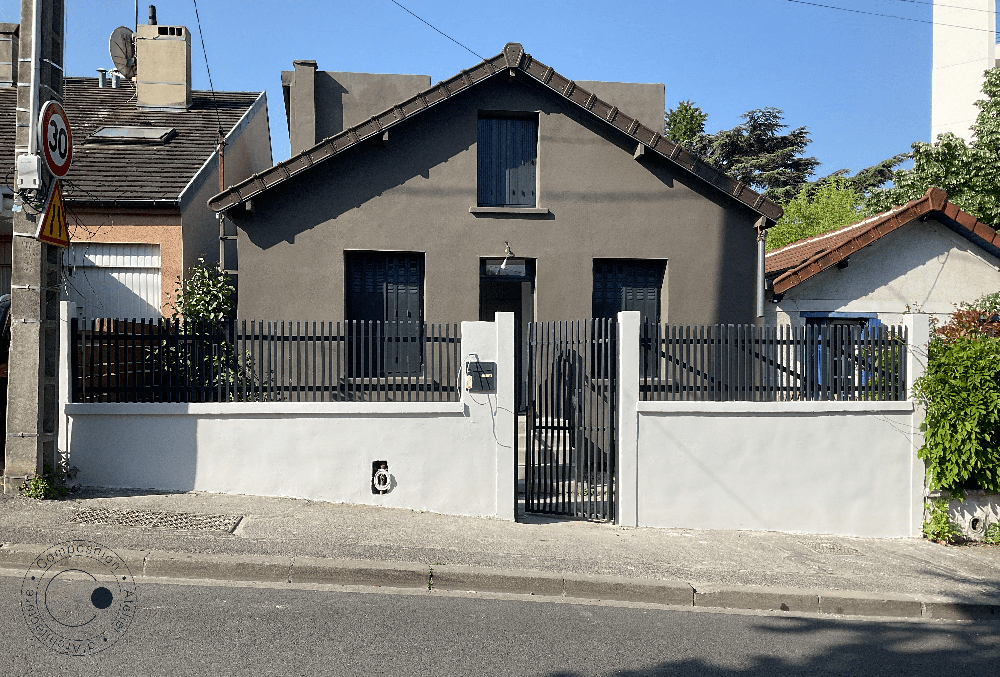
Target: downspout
pixel 761 247
pixel 222 188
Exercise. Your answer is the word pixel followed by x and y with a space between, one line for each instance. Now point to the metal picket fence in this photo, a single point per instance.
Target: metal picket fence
pixel 248 360
pixel 733 363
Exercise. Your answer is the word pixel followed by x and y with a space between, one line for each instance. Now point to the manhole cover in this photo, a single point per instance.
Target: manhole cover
pixel 829 548
pixel 157 519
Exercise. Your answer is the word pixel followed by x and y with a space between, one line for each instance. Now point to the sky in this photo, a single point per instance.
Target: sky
pixel 861 84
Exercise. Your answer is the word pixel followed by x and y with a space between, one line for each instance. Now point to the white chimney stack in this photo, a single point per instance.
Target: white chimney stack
pixel 163 66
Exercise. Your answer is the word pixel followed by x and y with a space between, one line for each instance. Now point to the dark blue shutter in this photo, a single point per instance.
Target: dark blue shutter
pixel 507 152
pixel 628 285
pixel 388 287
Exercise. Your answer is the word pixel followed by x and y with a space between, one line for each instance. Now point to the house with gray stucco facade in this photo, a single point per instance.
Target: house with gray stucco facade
pixel 507 187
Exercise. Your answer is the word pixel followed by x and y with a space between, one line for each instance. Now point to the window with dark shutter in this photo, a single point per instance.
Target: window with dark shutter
pixel 386 289
pixel 628 285
pixel 508 150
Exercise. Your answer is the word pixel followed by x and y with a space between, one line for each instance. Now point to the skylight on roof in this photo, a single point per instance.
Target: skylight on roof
pixel 158 135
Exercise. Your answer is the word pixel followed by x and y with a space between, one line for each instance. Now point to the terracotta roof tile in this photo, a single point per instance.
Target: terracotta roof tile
pixel 797 262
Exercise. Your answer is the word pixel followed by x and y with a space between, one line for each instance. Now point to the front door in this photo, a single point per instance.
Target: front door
pixel 508 286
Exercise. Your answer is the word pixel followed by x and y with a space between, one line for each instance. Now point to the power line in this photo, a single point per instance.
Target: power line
pixel 925 2
pixel 205 53
pixel 438 30
pixel 887 16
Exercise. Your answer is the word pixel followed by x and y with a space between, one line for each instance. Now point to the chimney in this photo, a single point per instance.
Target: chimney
pixel 102 77
pixel 163 66
pixel 302 106
pixel 8 54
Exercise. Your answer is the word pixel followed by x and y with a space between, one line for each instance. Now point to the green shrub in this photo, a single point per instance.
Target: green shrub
pixel 991 535
pixel 48 485
pixel 937 526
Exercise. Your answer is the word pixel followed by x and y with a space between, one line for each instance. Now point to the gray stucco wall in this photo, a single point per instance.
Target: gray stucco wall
pixel 320 104
pixel 347 99
pixel 414 194
pixel 645 102
pixel 247 152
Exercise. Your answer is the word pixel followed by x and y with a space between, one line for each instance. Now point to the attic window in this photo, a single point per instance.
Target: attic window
pixel 137 135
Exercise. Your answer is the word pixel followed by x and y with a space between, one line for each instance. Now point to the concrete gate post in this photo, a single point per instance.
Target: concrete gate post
pixel 918 336
pixel 627 474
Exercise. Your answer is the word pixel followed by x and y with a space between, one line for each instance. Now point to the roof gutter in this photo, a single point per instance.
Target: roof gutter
pixel 513 59
pixel 174 203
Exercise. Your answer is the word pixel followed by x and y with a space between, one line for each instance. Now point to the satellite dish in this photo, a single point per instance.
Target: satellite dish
pixel 122 47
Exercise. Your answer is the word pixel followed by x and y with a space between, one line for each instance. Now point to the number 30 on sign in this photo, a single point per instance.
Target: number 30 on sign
pixel 56 138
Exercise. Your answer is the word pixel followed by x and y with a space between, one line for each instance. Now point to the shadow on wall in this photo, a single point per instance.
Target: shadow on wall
pixel 108 292
pixel 330 96
pixel 811 646
pixel 356 176
pixel 162 458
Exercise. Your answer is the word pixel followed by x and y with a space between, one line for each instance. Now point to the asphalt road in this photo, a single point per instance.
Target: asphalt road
pixel 223 630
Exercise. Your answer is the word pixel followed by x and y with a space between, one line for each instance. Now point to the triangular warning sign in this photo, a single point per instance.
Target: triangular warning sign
pixel 52 228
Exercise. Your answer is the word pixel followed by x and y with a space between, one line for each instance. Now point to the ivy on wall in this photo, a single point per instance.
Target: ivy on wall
pixel 961 392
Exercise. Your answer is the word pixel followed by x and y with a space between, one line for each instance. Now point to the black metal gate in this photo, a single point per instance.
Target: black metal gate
pixel 572 406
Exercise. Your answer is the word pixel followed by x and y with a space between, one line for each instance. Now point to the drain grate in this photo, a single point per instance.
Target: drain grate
pixel 157 519
pixel 830 548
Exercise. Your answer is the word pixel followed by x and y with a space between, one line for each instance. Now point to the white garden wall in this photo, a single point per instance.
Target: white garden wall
pixel 454 458
pixel 846 468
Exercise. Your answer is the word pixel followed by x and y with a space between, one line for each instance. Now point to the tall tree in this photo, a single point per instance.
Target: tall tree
pixel 829 203
pixel 969 172
pixel 833 205
pixel 684 123
pixel 758 154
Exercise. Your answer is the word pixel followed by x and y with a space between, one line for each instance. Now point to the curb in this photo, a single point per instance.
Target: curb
pixel 269 569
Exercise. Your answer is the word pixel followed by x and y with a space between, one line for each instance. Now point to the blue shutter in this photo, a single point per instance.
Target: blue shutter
pixel 507 154
pixel 628 285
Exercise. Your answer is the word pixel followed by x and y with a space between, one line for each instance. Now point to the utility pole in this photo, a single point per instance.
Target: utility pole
pixel 32 391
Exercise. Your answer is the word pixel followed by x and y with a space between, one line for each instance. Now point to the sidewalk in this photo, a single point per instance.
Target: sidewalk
pixel 282 540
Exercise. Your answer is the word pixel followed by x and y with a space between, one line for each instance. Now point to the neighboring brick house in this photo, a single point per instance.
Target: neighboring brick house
pixel 926 255
pixel 142 173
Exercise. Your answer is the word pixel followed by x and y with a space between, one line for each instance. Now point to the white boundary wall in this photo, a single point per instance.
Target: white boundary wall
pixel 447 457
pixel 847 468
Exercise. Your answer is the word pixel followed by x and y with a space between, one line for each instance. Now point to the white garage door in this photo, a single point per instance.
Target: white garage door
pixel 114 280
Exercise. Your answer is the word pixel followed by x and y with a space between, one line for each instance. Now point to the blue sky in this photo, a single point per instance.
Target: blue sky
pixel 860 83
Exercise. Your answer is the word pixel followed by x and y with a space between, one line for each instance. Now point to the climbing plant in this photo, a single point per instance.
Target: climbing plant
pixel 961 391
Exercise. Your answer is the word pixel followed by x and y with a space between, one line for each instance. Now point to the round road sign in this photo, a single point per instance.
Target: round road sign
pixel 55 137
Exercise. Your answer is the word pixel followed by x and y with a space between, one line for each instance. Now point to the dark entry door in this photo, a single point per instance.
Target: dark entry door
pixel 510 289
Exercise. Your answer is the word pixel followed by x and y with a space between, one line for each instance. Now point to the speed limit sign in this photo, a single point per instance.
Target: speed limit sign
pixel 55 137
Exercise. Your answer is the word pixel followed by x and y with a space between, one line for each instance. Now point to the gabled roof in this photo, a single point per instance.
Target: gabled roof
pixel 118 173
pixel 511 60
pixel 795 263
